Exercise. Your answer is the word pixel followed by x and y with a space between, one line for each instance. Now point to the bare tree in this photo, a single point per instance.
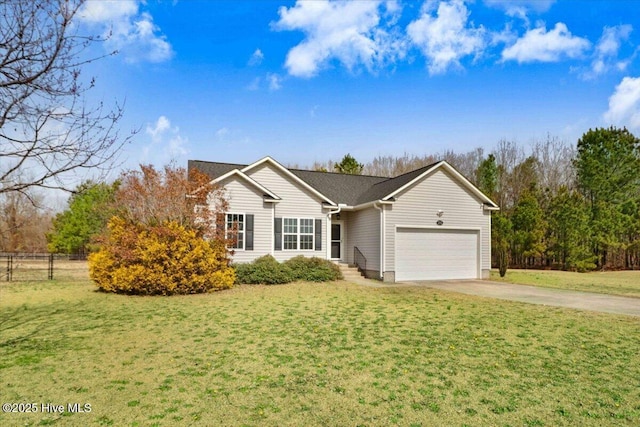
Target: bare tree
pixel 46 126
pixel 393 166
pixel 317 166
pixel 465 163
pixel 523 177
pixel 22 224
pixel 555 167
pixel 508 155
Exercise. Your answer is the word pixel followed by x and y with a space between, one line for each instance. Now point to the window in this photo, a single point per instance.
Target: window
pixel 306 234
pixel 297 234
pixel 235 231
pixel 290 233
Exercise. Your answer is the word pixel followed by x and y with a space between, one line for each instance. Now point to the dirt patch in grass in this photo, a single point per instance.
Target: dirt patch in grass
pixel 624 283
pixel 313 354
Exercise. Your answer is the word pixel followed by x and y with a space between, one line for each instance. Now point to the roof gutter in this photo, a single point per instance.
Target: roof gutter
pixel 371 204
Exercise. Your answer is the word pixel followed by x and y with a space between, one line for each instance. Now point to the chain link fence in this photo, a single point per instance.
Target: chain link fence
pixel 19 267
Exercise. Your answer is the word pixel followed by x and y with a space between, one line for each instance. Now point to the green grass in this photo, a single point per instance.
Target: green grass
pixel 625 283
pixel 312 354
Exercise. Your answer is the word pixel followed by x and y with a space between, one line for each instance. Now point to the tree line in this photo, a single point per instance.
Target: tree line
pixel 571 207
pixel 564 206
pixel 573 212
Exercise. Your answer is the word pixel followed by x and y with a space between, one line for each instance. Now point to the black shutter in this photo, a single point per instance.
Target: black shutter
pixel 318 237
pixel 248 225
pixel 277 234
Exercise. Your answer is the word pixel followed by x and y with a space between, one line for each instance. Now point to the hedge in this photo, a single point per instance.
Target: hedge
pixel 266 270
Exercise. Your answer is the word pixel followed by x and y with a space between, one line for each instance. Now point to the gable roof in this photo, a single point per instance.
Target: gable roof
pixel 420 173
pixel 237 172
pixel 352 190
pixel 288 172
pixel 381 190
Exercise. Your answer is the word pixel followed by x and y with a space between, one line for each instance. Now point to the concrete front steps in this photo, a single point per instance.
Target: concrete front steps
pixel 350 272
pixel 352 275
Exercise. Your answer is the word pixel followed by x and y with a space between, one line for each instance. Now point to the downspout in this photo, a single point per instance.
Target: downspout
pixel 273 224
pixel 340 205
pixel 382 228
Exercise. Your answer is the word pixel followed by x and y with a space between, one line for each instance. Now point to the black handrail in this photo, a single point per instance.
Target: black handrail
pixel 359 260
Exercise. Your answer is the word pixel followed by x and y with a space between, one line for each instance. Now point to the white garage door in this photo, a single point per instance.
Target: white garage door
pixel 435 254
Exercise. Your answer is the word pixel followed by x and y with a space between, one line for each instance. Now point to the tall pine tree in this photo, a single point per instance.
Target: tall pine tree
pixel 608 176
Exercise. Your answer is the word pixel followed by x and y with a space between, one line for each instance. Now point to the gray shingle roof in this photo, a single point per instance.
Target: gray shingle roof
pixel 212 169
pixel 340 188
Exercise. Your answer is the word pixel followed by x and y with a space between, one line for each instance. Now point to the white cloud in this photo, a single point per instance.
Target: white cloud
pixel 105 11
pixel 271 81
pixel 624 104
pixel 162 126
pixel 609 43
pixel 348 31
pixel 127 30
pixel 177 147
pixel 256 58
pixel 166 142
pixel 546 46
pixel 222 132
pixel 275 81
pixel 446 37
pixel 506 36
pixel 606 51
pixel 520 8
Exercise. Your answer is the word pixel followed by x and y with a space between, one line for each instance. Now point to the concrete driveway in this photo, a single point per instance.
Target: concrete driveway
pixel 537 295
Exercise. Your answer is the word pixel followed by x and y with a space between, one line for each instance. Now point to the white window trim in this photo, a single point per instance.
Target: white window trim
pixel 299 233
pixel 244 231
pixel 312 234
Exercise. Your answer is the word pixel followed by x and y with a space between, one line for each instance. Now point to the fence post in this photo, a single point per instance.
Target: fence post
pixel 9 268
pixel 50 266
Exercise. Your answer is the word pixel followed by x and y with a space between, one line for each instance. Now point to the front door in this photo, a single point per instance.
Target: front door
pixel 336 240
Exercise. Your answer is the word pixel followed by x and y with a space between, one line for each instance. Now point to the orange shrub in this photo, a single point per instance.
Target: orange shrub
pixel 163 259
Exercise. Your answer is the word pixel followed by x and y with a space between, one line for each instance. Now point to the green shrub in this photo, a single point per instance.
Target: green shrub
pixel 164 259
pixel 264 270
pixel 313 269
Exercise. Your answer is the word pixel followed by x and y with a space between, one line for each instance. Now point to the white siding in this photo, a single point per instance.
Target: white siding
pixel 247 199
pixel 418 205
pixel 363 231
pixel 297 202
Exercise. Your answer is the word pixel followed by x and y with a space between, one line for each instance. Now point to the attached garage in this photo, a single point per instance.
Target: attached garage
pixel 437 254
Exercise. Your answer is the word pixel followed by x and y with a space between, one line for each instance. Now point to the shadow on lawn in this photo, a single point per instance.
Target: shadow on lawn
pixel 27 334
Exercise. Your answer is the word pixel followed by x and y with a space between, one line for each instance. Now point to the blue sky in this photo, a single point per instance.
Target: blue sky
pixel 307 81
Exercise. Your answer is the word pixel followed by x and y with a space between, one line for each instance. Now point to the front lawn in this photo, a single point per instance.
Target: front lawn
pixel 624 283
pixel 312 354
